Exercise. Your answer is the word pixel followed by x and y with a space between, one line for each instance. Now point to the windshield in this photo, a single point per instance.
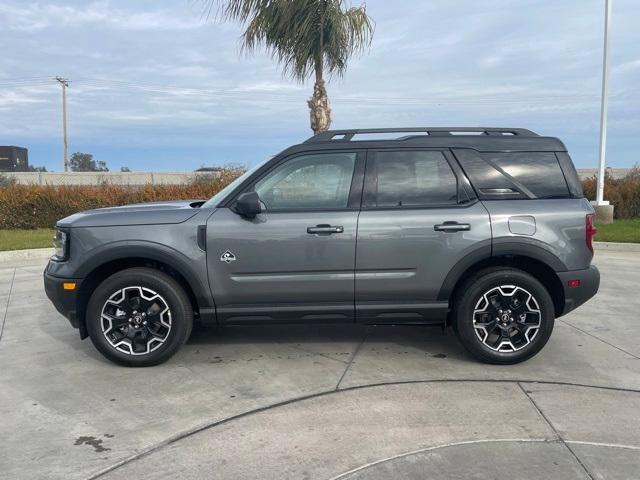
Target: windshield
pixel 217 198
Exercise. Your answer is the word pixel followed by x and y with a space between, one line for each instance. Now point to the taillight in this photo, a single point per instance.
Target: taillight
pixel 590 230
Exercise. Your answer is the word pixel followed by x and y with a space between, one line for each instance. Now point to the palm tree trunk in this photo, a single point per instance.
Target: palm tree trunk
pixel 319 110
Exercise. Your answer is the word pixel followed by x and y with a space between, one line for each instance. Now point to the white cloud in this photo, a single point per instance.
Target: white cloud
pixel 33 16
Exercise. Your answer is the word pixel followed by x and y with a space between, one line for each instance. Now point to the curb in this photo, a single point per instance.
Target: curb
pixel 29 254
pixel 616 247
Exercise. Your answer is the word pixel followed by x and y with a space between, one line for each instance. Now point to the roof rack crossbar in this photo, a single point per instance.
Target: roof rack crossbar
pixel 347 135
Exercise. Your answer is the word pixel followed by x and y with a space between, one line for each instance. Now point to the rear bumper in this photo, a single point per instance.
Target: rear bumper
pixel 65 301
pixel 589 284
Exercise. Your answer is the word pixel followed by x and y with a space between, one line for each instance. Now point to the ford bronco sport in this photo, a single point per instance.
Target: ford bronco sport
pixel 485 229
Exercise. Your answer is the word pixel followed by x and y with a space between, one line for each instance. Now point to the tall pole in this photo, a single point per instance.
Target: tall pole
pixel 605 105
pixel 65 83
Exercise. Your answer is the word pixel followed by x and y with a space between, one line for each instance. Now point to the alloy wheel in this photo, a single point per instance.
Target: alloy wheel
pixel 136 320
pixel 507 318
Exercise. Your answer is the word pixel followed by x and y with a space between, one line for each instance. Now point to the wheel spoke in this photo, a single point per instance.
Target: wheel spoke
pixel 153 308
pixel 131 299
pixel 116 321
pixel 496 301
pixel 119 305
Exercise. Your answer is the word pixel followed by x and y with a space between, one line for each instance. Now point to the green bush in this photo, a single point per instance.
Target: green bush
pixel 40 206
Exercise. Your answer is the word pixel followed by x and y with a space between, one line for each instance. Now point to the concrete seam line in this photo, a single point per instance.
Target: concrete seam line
pixel 209 425
pixel 438 447
pixel 6 308
pixel 600 444
pixel 599 339
pixel 355 352
pixel 555 432
pixel 471 442
pixel 323 355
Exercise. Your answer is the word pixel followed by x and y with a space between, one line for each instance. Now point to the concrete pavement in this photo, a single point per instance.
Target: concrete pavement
pixel 322 401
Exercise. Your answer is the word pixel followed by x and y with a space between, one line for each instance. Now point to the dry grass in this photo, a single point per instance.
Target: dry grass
pixel 624 193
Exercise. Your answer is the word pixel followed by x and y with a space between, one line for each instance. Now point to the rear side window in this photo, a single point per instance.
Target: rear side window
pixel 538 172
pixel 410 178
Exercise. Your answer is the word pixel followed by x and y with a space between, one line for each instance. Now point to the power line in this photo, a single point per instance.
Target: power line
pixel 185 94
pixel 258 95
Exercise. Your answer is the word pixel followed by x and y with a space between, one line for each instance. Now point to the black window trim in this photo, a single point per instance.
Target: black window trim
pixel 570 175
pixel 355 191
pixel 466 197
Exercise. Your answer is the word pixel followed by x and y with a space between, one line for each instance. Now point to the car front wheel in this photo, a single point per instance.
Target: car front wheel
pixel 139 317
pixel 503 315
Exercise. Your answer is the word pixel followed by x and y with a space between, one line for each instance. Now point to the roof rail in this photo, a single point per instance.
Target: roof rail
pixel 347 135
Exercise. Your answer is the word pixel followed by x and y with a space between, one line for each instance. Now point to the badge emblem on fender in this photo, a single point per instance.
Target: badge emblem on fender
pixel 227 257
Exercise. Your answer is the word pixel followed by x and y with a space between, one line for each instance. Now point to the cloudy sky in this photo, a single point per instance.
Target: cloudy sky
pixel 154 85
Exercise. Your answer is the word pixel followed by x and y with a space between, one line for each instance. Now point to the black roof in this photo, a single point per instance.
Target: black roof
pixel 485 139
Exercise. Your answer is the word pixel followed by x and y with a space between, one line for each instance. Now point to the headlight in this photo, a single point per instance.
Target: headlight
pixel 60 245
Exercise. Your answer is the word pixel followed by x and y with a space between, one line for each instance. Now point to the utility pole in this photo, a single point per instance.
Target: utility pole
pixel 65 83
pixel 604 211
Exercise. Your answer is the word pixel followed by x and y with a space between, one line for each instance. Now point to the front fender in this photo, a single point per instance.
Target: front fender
pixel 192 267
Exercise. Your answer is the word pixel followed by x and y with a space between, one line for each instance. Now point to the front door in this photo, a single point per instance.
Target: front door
pixel 295 260
pixel 418 221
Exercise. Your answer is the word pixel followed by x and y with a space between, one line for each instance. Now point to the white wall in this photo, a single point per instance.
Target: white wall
pixel 115 178
pixel 158 178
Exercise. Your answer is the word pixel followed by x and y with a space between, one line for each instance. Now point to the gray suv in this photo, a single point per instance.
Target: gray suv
pixel 483 229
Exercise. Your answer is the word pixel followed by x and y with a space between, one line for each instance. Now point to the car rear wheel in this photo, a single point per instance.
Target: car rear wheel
pixel 503 315
pixel 139 317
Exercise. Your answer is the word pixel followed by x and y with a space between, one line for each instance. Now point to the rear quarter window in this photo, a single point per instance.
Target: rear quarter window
pixel 514 175
pixel 538 172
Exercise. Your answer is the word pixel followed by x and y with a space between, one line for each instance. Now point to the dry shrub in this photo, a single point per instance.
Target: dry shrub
pixel 623 193
pixel 40 206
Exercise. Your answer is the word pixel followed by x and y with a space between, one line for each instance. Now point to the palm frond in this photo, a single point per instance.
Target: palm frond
pixel 304 36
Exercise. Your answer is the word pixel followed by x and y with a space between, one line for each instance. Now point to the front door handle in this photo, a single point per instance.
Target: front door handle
pixel 326 229
pixel 452 227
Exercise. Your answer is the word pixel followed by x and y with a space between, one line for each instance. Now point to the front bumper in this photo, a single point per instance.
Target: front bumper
pixel 589 284
pixel 65 301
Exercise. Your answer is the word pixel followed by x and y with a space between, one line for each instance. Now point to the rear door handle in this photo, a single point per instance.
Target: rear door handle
pixel 452 227
pixel 326 229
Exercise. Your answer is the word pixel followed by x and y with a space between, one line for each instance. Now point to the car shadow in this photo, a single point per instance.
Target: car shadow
pixel 430 340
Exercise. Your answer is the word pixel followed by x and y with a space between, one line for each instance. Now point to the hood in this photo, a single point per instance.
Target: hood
pixel 136 214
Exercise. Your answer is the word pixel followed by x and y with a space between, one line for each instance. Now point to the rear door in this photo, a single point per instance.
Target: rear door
pixel 294 261
pixel 419 220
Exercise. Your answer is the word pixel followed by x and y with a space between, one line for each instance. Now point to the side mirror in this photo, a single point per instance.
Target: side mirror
pixel 248 205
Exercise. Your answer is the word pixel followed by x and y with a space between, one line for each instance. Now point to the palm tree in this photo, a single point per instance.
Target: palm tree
pixel 305 36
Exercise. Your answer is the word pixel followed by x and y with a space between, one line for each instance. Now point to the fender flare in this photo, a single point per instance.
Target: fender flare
pixel 529 248
pixel 151 251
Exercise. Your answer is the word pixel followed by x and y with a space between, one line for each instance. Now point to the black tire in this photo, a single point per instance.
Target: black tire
pixel 524 345
pixel 169 294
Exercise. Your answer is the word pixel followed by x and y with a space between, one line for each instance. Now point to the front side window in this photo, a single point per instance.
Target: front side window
pixel 412 178
pixel 313 181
